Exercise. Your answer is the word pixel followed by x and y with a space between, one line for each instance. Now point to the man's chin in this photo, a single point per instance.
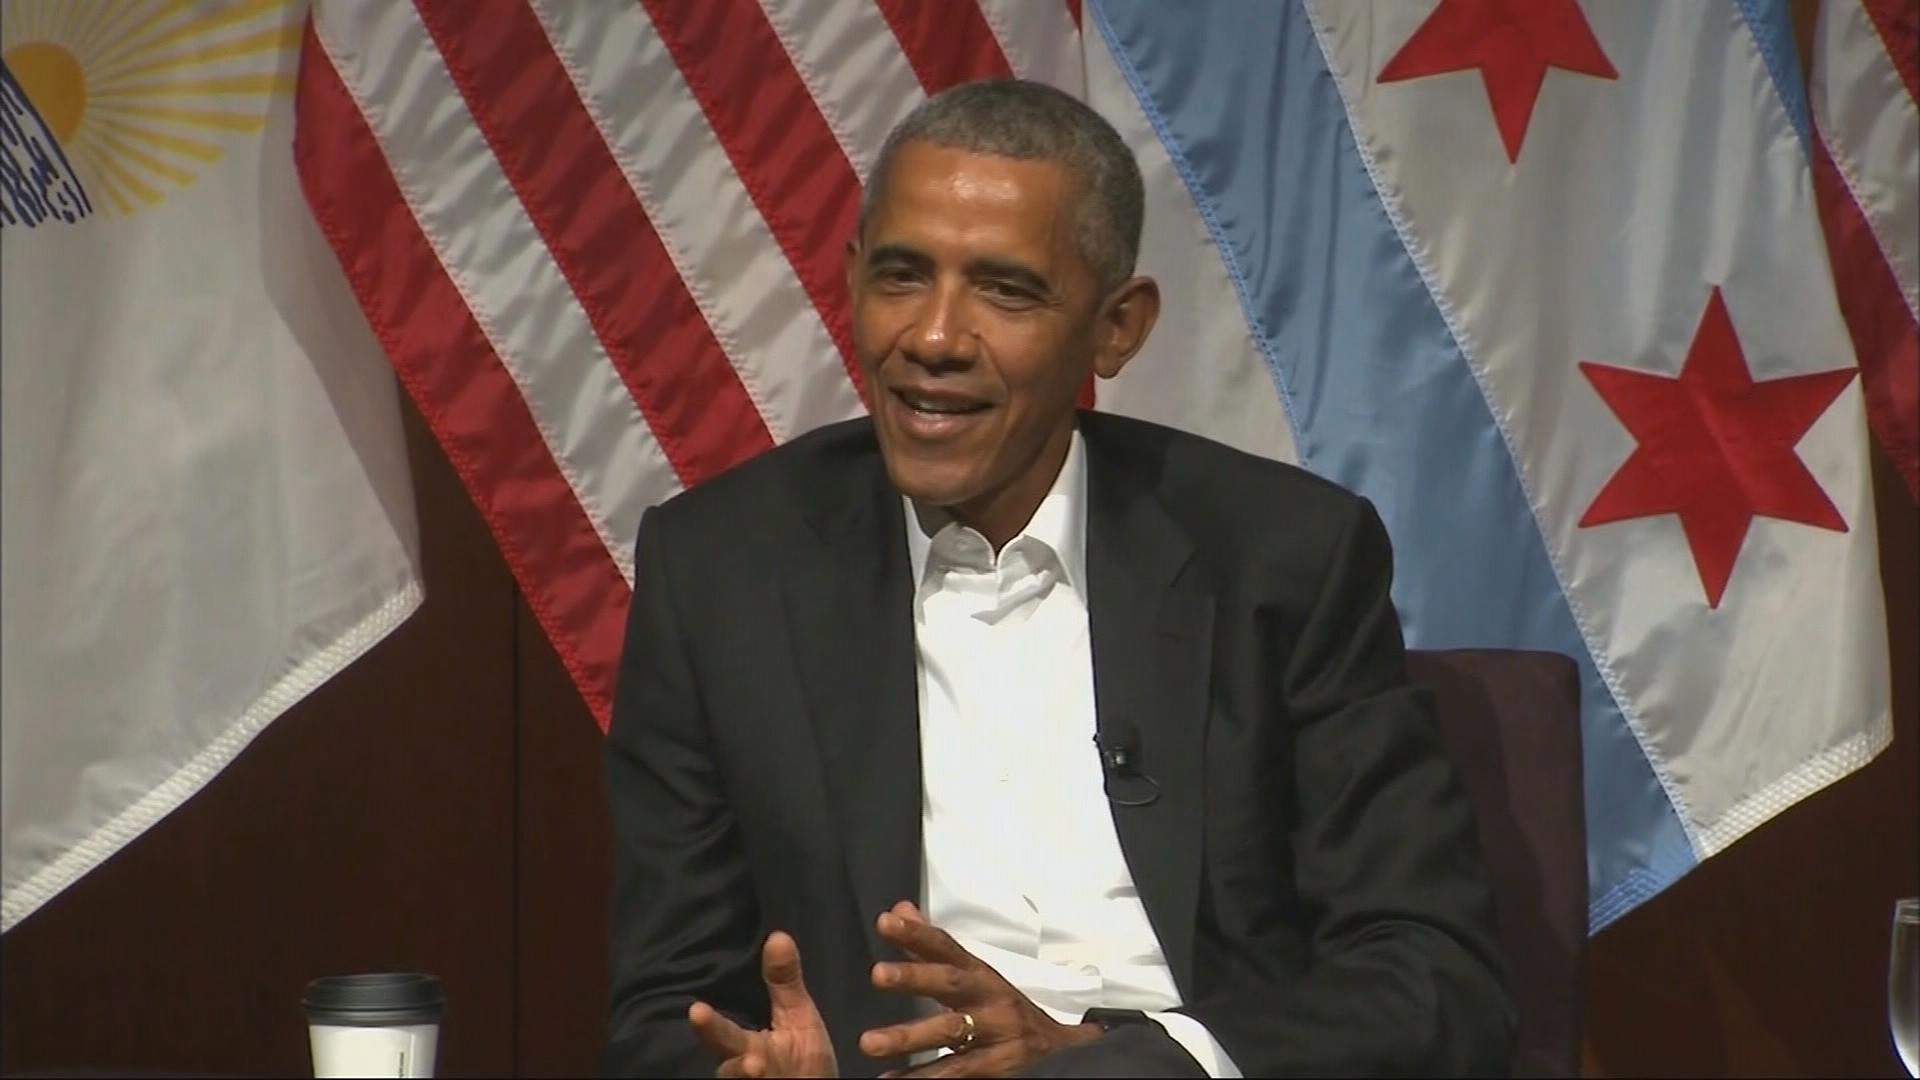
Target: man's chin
pixel 931 484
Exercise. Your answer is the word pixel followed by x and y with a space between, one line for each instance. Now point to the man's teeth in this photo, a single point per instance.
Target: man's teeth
pixel 925 405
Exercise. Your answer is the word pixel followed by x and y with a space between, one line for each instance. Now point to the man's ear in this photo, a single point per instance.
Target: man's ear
pixel 853 264
pixel 1123 323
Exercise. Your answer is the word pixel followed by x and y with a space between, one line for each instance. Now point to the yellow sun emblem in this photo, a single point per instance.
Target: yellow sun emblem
pixel 110 104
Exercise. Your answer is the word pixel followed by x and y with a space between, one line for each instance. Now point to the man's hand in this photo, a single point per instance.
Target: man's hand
pixel 1009 1031
pixel 796 1044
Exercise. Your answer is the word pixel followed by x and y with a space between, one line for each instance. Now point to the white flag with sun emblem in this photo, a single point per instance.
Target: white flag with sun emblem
pixel 207 504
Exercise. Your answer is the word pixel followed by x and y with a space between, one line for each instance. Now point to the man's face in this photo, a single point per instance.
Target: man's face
pixel 974 322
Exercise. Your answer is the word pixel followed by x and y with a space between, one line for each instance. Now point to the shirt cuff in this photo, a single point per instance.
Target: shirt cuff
pixel 1198 1042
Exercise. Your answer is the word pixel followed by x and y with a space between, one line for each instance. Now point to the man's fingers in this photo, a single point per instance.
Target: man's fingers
pixel 923 940
pixel 944 983
pixel 725 1038
pixel 933 1032
pixel 780 961
pixel 780 967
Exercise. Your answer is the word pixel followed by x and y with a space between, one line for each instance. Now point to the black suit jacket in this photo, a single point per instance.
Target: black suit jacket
pixel 1310 867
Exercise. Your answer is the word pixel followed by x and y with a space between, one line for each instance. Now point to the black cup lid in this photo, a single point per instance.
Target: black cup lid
pixel 382 992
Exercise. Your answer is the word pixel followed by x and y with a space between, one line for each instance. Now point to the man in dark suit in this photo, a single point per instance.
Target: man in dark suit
pixel 1005 712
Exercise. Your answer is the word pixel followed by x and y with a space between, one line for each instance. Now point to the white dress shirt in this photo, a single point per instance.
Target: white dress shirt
pixel 1022 864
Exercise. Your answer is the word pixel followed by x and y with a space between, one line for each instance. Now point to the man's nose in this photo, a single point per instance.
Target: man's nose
pixel 942 334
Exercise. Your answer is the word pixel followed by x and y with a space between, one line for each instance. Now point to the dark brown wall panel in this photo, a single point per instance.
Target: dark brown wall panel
pixel 564 872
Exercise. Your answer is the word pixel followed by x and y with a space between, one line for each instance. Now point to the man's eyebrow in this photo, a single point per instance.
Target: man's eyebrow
pixel 898 253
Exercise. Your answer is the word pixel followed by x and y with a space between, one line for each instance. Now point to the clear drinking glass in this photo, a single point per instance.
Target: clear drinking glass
pixel 1903 982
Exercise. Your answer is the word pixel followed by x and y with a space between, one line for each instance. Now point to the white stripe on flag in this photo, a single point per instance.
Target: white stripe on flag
pixel 854 67
pixel 1039 40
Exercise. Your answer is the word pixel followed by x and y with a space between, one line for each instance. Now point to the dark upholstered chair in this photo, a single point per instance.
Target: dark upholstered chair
pixel 1511 721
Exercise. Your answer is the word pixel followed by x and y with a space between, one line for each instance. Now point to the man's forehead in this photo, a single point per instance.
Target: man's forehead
pixel 924 165
pixel 979 189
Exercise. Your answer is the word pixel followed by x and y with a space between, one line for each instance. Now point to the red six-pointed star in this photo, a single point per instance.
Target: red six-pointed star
pixel 1715 447
pixel 1513 43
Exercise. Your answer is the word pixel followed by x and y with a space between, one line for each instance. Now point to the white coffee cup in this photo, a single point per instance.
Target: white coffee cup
pixel 385 1024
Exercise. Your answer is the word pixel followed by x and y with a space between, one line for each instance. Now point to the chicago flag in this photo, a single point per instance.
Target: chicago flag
pixel 1547 282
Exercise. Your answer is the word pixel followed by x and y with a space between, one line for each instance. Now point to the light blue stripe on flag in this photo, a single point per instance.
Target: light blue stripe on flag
pixel 1772 27
pixel 1380 397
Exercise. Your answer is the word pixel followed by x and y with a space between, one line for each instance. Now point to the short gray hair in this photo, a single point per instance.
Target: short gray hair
pixel 1030 121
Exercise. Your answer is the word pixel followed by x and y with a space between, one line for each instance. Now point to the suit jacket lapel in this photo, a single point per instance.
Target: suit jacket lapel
pixel 1152 635
pixel 850 619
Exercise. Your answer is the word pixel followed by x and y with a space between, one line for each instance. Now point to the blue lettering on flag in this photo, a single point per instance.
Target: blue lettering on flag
pixel 36 181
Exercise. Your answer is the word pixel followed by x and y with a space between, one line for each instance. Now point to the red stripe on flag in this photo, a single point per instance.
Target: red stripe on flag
pixel 1885 337
pixel 947 42
pixel 1898 22
pixel 1073 12
pixel 599 234
pixel 778 141
pixel 453 375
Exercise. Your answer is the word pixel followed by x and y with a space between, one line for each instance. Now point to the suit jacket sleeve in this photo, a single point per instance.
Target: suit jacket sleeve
pixel 1404 975
pixel 684 925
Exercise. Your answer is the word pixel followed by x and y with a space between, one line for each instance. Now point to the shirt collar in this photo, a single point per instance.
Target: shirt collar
pixel 1059 523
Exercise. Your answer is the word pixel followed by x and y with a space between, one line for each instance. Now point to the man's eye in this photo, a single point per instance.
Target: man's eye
pixel 895 276
pixel 1002 293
